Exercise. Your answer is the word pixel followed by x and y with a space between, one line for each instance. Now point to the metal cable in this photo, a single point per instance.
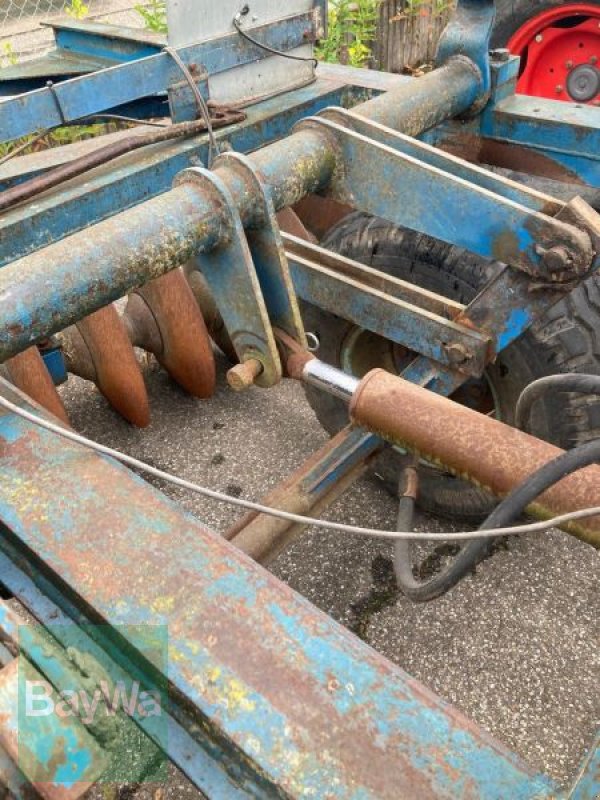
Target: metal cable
pixel 213 145
pixel 340 527
pixel 237 24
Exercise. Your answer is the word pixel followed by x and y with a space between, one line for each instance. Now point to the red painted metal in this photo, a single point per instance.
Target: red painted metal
pixel 554 43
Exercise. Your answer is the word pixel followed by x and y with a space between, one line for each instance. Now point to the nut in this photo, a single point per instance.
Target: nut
pixel 457 354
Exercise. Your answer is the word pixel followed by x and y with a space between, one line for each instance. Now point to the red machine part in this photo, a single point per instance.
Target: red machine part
pixel 559 51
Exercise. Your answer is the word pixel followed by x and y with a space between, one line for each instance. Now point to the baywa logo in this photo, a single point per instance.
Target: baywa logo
pixel 42 700
pixel 81 718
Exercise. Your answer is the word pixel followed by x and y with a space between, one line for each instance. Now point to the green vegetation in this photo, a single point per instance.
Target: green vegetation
pixel 77 9
pixel 352 30
pixel 58 137
pixel 8 57
pixel 154 15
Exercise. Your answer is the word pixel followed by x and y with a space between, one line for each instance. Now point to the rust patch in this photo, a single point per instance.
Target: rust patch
pixel 473 446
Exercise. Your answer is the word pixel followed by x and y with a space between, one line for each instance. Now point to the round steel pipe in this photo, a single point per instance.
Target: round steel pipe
pixel 424 103
pixel 47 291
pixel 473 446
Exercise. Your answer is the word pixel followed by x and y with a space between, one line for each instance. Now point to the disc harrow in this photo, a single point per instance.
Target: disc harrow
pixel 211 238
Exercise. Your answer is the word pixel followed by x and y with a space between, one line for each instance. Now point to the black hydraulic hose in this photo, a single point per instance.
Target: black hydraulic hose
pixel 504 514
pixel 402 563
pixel 551 473
pixel 568 382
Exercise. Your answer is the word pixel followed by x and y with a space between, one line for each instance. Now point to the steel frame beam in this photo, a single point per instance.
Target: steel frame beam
pixel 125 83
pixel 261 715
pixel 446 206
pixel 392 309
pixel 570 136
pixel 106 192
pixel 244 717
pixel 164 232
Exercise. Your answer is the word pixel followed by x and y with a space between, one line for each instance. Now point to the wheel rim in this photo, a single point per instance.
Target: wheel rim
pixel 362 351
pixel 559 51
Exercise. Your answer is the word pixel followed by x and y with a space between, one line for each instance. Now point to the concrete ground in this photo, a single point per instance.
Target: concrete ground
pixel 26 36
pixel 515 646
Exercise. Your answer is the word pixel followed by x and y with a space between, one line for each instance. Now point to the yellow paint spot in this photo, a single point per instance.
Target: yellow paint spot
pixel 163 605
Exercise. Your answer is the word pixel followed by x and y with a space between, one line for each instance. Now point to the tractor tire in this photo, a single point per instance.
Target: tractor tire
pixel 567 339
pixel 513 14
pixel 558 42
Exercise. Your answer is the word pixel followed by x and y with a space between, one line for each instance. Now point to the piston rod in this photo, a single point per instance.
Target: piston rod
pixel 469 444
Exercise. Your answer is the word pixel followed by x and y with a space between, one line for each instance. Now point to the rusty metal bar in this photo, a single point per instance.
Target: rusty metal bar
pixel 302 707
pixel 312 488
pixel 473 446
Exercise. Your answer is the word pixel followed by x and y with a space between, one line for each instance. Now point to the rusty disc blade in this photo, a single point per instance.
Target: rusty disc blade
pixel 180 339
pixel 28 372
pixel 117 373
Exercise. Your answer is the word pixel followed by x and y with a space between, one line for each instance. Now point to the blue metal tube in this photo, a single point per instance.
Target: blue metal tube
pixel 48 290
pixel 57 286
pixel 437 96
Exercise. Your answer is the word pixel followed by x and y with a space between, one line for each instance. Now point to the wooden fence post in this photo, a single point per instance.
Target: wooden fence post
pixel 408 33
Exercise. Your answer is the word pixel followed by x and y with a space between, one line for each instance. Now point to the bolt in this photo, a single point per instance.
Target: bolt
pixel 500 54
pixel 594 60
pixel 558 88
pixel 555 259
pixel 569 65
pixel 242 376
pixel 539 38
pixel 457 354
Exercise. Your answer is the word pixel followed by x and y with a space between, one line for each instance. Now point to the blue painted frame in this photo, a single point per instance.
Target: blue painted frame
pixel 427 736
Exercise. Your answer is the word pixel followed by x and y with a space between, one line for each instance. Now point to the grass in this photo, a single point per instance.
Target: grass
pixel 58 137
pixel 154 15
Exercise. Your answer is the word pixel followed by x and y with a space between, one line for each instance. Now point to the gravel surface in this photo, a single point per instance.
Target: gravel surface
pixel 515 646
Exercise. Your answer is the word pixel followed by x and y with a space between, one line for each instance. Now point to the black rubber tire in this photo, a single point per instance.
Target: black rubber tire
pixel 512 14
pixel 566 340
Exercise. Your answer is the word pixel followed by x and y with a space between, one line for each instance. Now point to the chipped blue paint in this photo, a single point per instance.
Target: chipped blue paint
pixel 518 321
pixel 273 699
pixel 587 783
pixel 268 691
pixel 442 204
pixel 564 132
pixel 100 196
pixel 9 431
pixel 124 83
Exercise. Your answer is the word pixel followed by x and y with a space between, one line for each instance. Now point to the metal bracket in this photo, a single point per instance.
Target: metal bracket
pixel 434 157
pixel 268 251
pixel 468 35
pixel 497 220
pixel 183 106
pixel 144 77
pixel 230 272
pixel 391 308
